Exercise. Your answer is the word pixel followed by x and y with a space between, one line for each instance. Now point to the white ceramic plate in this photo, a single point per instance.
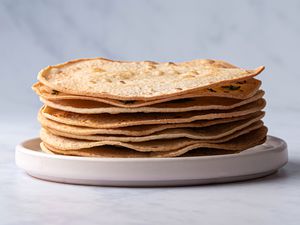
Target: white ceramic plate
pixel 256 162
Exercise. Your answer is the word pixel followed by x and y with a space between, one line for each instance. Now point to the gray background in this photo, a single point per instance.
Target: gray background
pixel 250 33
pixel 37 33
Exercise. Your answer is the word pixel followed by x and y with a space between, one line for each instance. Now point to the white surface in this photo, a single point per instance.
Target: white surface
pixel 247 33
pixel 256 162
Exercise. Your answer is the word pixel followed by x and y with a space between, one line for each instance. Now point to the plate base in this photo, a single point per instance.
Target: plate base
pixel 140 183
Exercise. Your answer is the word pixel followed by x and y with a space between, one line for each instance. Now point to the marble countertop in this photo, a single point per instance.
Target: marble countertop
pixel 26 200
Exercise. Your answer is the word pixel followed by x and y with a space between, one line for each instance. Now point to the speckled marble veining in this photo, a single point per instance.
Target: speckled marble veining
pixel 248 33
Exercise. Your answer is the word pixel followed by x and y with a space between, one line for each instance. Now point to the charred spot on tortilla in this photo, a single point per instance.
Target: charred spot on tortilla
pixel 54 92
pixel 211 90
pixel 231 87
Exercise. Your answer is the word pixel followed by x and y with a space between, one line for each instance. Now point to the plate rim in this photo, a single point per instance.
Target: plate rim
pixel 123 172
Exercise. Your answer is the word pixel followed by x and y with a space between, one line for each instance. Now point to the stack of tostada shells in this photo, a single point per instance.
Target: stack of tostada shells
pixel 103 108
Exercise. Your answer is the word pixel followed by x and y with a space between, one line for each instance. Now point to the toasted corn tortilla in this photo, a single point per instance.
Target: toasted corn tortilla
pixel 207 62
pixel 45 149
pixel 183 105
pixel 129 119
pixel 141 130
pixel 105 78
pixel 241 143
pixel 206 152
pixel 206 133
pixel 115 152
pixel 103 152
pixel 235 145
pixel 154 145
pixel 236 90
